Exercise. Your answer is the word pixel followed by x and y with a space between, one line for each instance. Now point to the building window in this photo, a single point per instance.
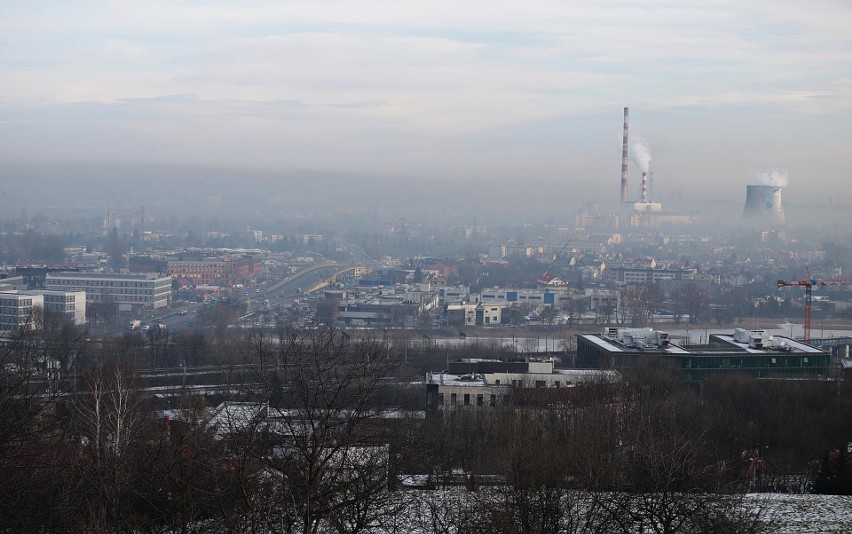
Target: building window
pixel 493 400
pixel 453 399
pixel 467 399
pixel 441 399
pixel 479 400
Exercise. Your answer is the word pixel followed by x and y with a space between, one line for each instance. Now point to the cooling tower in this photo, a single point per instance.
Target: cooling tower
pixel 763 204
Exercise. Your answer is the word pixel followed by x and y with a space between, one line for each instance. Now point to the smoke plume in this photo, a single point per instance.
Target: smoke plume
pixel 641 156
pixel 772 177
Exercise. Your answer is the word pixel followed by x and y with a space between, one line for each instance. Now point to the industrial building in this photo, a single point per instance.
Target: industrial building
pixel 751 352
pixel 453 295
pixel 398 306
pixel 128 291
pixel 471 382
pixel 536 297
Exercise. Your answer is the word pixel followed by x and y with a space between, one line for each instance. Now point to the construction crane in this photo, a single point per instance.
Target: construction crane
pixel 808 284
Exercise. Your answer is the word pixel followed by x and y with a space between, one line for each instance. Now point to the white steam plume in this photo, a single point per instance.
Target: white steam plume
pixel 641 156
pixel 772 177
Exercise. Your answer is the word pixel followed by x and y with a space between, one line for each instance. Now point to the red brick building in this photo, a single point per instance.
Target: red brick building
pixel 220 271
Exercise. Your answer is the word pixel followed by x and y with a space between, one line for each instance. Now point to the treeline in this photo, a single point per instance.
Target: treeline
pixel 309 441
pixel 31 246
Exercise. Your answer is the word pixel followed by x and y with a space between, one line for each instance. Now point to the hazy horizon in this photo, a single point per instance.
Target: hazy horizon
pixel 419 103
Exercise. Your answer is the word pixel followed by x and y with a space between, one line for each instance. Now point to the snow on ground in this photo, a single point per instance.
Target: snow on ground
pixel 796 514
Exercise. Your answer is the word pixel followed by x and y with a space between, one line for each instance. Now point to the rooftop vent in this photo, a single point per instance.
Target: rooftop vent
pixel 754 338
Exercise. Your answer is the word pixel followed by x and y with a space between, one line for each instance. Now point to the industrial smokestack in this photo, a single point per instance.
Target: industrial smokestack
pixel 624 161
pixel 644 196
pixel 763 204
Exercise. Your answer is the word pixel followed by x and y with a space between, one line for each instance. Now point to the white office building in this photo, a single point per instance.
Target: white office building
pixel 129 291
pixel 16 311
pixel 67 306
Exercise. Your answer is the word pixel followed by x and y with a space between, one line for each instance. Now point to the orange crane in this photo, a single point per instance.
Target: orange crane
pixel 808 285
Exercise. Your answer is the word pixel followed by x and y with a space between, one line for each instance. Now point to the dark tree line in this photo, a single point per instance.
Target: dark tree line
pixel 304 439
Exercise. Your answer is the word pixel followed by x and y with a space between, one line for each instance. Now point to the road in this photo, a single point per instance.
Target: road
pixel 284 291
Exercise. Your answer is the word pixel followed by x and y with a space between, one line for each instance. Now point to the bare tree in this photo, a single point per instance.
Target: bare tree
pixel 574 308
pixel 692 299
pixel 180 472
pixel 549 314
pixel 606 310
pixel 330 469
pixel 36 368
pixel 108 407
pixel 538 496
pixel 159 346
pixel 651 469
pixel 109 416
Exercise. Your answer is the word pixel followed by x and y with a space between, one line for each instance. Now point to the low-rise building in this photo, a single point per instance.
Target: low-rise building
pixel 128 291
pixel 647 272
pixel 488 314
pixel 453 294
pixel 484 382
pixel 535 297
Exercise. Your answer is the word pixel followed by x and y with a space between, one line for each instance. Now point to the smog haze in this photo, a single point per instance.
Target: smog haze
pixel 438 107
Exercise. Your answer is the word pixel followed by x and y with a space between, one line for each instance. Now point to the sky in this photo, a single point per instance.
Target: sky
pixel 517 96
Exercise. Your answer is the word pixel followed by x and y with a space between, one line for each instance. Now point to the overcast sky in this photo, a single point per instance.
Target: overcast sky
pixel 512 94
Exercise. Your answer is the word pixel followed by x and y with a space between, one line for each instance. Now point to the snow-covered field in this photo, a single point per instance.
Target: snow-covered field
pixel 805 513
pixel 784 513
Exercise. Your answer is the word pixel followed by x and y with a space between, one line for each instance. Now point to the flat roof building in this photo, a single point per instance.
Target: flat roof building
pixel 744 351
pixel 491 382
pixel 16 307
pixel 214 270
pixel 68 306
pixel 129 291
pixel 16 311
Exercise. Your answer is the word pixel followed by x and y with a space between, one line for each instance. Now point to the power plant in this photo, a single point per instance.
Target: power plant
pixel 640 211
pixel 645 213
pixel 763 200
pixel 763 204
pixel 642 158
pixel 624 161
